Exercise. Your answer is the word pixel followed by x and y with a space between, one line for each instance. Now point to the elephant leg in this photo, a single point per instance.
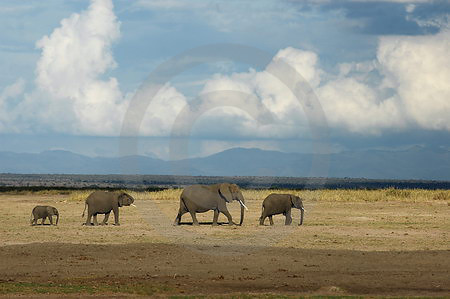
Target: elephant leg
pixel 178 218
pixel 215 218
pixel 288 218
pixel 105 220
pixel 228 215
pixel 88 219
pixel 116 216
pixel 95 220
pixel 34 222
pixel 262 218
pixel 194 218
pixel 43 220
pixel 271 220
pixel 51 219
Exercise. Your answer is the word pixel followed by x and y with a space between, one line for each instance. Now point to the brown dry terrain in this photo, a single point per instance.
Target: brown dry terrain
pixel 393 247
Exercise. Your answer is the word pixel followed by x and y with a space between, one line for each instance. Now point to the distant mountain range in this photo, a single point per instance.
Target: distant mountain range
pixel 420 163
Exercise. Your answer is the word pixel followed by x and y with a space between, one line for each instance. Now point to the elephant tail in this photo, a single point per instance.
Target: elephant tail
pixel 85 205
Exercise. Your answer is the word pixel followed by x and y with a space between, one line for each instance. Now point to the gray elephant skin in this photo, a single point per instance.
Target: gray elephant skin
pixel 103 202
pixel 281 204
pixel 202 198
pixel 43 212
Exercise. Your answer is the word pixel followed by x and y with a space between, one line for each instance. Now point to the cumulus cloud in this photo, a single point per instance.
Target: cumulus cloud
pixel 418 68
pixel 405 87
pixel 276 113
pixel 7 98
pixel 73 58
pixel 72 94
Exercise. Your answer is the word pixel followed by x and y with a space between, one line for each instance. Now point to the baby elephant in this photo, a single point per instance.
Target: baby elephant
pixel 44 212
pixel 281 204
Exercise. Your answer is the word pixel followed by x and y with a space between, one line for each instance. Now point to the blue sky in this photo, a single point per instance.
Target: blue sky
pixel 70 69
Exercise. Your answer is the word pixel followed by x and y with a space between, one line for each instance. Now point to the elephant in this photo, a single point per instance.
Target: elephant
pixel 281 204
pixel 44 212
pixel 203 198
pixel 102 202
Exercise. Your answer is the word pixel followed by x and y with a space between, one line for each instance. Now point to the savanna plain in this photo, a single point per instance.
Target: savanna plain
pixel 387 242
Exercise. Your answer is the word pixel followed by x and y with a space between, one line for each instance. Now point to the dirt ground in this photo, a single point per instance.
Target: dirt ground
pixel 343 248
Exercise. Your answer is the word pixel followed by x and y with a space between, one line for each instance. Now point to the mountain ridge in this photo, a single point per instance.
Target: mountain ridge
pixel 414 163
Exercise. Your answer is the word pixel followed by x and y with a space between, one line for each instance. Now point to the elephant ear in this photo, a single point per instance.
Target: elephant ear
pixel 125 199
pixel 225 192
pixel 296 201
pixel 121 198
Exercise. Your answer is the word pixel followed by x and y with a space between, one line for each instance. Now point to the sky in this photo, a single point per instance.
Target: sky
pixel 112 78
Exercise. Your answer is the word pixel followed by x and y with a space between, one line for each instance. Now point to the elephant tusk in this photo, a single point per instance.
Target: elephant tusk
pixel 133 205
pixel 243 204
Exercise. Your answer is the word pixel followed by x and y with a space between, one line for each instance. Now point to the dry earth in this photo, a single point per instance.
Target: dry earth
pixel 343 248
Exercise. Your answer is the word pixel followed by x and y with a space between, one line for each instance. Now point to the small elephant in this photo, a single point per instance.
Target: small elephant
pixel 103 202
pixel 281 204
pixel 44 212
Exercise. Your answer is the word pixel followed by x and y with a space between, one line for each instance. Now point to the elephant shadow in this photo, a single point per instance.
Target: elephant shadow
pixel 203 223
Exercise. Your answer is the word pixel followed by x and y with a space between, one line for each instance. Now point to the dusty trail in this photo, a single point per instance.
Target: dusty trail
pixel 256 270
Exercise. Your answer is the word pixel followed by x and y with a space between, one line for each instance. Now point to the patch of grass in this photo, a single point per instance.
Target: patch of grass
pixel 53 288
pixel 261 296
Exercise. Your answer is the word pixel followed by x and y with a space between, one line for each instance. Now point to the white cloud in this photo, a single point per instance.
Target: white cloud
pixel 162 112
pixel 72 95
pixel 405 87
pixel 75 95
pixel 7 98
pixel 418 68
pixel 73 59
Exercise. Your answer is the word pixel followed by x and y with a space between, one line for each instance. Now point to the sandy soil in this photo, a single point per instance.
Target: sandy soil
pixel 343 248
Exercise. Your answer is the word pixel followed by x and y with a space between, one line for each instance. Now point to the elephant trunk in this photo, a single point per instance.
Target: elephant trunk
pixel 242 215
pixel 302 211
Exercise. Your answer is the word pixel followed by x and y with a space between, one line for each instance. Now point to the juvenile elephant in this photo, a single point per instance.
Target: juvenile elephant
pixel 103 202
pixel 203 198
pixel 43 212
pixel 281 204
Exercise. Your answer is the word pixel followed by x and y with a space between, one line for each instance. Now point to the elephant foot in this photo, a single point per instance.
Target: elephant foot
pixel 116 224
pixel 215 224
pixel 196 224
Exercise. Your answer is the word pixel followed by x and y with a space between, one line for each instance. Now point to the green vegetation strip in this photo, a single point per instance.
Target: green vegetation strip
pixel 28 288
pixel 53 288
pixel 264 296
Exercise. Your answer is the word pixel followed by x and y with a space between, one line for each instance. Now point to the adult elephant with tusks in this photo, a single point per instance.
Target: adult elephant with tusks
pixel 202 198
pixel 103 202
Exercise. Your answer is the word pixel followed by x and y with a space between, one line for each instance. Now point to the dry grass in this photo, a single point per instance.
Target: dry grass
pixel 344 195
pixel 335 219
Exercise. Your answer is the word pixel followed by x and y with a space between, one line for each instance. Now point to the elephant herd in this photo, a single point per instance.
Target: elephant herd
pixel 194 199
